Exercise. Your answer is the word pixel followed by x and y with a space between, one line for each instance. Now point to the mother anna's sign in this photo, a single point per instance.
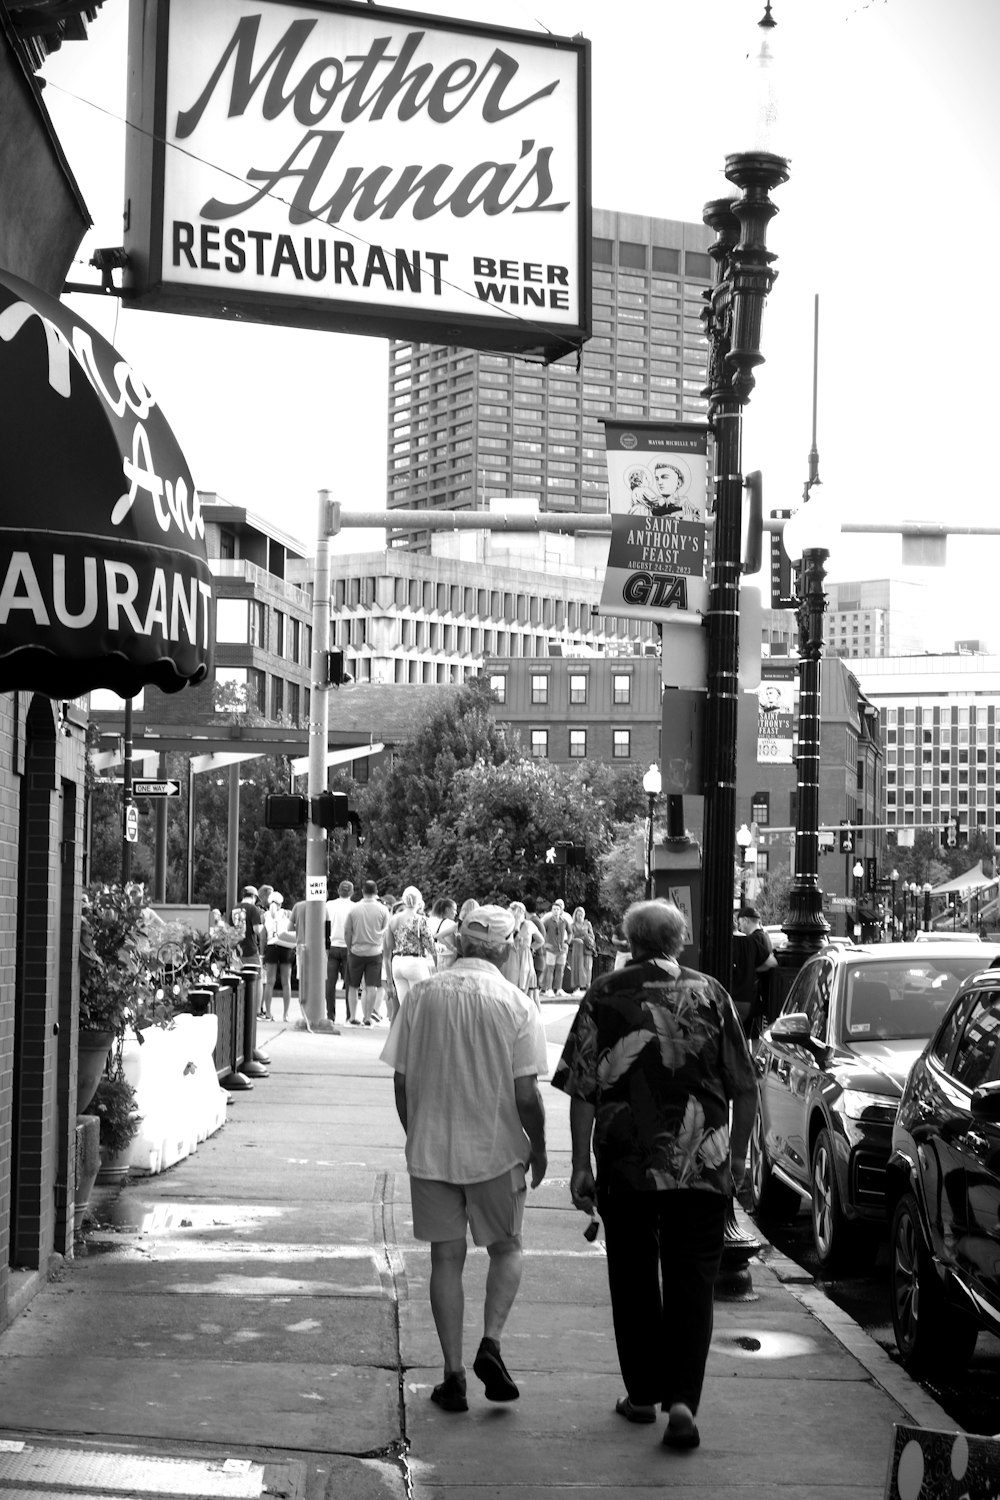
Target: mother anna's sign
pixel 340 166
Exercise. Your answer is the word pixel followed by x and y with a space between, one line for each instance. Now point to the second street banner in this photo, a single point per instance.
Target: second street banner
pixel 658 485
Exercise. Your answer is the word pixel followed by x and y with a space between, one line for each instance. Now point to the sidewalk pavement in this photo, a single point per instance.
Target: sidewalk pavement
pixel 256 1320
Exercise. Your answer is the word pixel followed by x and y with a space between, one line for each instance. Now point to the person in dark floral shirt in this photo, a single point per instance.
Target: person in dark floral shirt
pixel 655 1060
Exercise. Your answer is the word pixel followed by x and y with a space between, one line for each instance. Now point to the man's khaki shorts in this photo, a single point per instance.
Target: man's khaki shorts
pixel 493 1210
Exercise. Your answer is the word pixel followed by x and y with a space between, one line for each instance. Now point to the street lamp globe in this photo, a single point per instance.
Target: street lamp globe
pixel 652 782
pixel 815 526
pixel 859 870
pixel 744 838
pixel 894 876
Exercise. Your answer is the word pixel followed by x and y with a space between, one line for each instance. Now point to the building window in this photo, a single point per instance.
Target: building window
pixel 257 690
pixel 258 624
pixel 632 255
pixel 577 744
pixel 578 687
pixel 540 744
pixel 498 686
pixel 697 264
pixel 665 261
pixel 621 748
pixel 279 633
pixel 760 809
pixel 621 685
pixel 293 703
pixel 539 688
pixel 603 252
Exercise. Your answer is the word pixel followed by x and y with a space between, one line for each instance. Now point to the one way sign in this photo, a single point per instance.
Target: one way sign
pixel 144 788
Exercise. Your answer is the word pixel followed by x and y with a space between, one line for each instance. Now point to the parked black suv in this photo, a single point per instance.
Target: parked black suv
pixel 943 1186
pixel 832 1067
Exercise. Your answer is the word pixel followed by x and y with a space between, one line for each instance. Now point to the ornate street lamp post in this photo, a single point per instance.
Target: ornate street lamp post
pixel 914 890
pixel 733 316
pixel 810 535
pixel 652 784
pixel 893 877
pixel 927 888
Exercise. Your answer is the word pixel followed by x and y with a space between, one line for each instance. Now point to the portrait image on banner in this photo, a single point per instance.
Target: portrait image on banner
pixel 658 488
pixel 776 713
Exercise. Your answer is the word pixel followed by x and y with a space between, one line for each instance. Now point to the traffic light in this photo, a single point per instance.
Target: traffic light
pixel 846 839
pixel 949 836
pixel 331 810
pixel 282 810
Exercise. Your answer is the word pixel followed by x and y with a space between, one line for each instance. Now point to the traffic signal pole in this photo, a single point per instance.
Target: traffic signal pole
pixel 314 979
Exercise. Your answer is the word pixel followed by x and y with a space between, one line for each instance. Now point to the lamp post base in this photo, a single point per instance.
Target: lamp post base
pixel 734 1282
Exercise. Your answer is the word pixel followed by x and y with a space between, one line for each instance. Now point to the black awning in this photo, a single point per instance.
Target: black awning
pixel 867 913
pixel 104 578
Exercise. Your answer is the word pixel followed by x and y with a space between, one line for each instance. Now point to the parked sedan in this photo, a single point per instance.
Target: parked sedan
pixel 943 1187
pixel 832 1067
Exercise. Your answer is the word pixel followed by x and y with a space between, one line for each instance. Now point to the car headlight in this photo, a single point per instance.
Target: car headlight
pixel 858 1105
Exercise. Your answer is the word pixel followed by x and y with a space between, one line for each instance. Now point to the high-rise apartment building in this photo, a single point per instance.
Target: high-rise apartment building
pixel 467 427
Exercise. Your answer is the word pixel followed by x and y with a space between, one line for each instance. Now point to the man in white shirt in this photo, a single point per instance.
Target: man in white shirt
pixel 467 1049
pixel 364 929
pixel 336 957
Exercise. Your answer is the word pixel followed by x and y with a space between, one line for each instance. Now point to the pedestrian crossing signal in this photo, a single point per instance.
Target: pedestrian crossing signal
pixel 949 836
pixel 847 840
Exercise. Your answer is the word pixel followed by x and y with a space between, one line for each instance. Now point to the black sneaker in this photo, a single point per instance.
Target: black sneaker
pixel 450 1394
pixel 494 1374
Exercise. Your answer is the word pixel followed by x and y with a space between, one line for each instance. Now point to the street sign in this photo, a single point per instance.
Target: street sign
pixel 842 901
pixel 131 824
pixel 143 787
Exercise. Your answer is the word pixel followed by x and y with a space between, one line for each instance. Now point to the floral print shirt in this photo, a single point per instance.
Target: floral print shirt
pixel 659 1051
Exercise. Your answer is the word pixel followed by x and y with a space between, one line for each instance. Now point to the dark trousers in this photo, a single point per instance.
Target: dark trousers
pixel 663 1336
pixel 336 968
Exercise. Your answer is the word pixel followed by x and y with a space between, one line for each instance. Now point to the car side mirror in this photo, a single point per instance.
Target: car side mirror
pixel 985 1104
pixel 792 1028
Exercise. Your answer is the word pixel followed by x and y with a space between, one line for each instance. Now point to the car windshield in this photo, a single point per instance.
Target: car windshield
pixel 902 999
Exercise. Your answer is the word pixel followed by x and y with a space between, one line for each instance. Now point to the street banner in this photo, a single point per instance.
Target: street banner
pixel 776 713
pixel 658 488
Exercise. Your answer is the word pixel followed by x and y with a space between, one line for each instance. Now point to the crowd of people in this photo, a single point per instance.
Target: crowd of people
pixel 378 946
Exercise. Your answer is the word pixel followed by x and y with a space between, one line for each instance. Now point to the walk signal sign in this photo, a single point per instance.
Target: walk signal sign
pixel 949 836
pixel 846 839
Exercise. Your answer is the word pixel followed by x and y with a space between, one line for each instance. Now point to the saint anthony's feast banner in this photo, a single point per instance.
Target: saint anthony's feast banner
pixel 658 487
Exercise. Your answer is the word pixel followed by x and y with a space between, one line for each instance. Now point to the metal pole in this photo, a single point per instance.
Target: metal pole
pixel 233 839
pixel 160 813
pixel 127 792
pixel 649 846
pixel 189 897
pixel 733 318
pixel 319 733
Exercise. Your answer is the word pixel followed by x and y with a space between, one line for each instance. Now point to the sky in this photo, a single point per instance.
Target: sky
pixel 888 113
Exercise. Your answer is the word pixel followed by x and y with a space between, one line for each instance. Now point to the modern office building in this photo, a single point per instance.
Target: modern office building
pixel 405 617
pixel 466 428
pixel 941 729
pixel 866 617
pixel 875 617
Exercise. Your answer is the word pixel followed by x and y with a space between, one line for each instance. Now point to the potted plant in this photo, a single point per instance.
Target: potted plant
pixel 120 979
pixel 114 1104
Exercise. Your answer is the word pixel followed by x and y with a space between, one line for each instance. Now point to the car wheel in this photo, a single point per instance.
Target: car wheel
pixel 836 1239
pixel 930 1334
pixel 769 1198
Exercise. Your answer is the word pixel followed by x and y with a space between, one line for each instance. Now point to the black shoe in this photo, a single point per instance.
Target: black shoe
pixel 450 1394
pixel 682 1429
pixel 494 1374
pixel 635 1413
